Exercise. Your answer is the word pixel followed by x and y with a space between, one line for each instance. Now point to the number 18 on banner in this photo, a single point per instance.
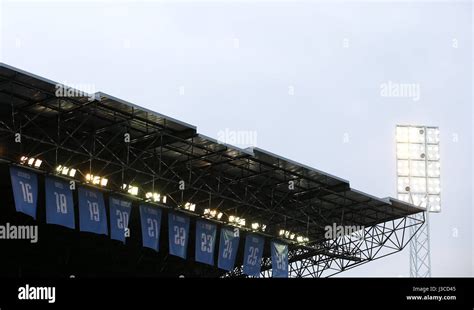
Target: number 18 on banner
pixel 92 217
pixel 59 203
pixel 178 229
pixel 25 190
pixel 253 254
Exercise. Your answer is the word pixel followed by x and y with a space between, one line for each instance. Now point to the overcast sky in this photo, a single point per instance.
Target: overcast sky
pixel 305 77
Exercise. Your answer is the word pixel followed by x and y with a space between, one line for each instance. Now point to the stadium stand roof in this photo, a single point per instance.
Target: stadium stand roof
pixel 255 180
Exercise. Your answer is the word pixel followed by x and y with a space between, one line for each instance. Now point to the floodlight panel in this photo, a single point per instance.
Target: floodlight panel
pixel 432 152
pixel 434 186
pixel 403 167
pixel 404 197
pixel 435 203
pixel 417 185
pixel 416 135
pixel 403 183
pixel 432 135
pixel 402 134
pixel 418 166
pixel 433 168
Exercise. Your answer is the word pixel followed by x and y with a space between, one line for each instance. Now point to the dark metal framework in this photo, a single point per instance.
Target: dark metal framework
pixel 87 133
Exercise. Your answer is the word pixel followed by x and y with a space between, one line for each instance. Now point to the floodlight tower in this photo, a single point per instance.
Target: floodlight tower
pixel 418 174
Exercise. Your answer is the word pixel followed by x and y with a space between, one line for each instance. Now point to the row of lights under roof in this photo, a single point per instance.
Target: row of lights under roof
pixel 156 197
pixel 292 236
pixel 91 178
pixel 31 161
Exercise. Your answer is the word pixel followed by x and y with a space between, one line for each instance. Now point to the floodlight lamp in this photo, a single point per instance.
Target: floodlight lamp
pixel 65 171
pixel 104 181
pixel 190 206
pixel 38 163
pixel 96 179
pixel 155 197
pixel 131 189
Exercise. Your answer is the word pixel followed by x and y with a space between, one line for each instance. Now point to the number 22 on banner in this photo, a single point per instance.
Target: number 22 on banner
pixel 179 235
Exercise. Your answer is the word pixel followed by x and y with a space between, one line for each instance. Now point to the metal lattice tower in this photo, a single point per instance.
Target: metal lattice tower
pixel 418 171
pixel 420 259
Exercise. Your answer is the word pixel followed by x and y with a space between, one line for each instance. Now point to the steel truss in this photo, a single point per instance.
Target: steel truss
pixel 334 256
pixel 89 136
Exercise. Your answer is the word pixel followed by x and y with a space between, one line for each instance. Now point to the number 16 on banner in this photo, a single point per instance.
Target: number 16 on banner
pixel 25 190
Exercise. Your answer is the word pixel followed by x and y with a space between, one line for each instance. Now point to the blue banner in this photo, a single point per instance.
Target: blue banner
pixel 253 254
pixel 92 216
pixel 59 203
pixel 178 229
pixel 279 260
pixel 119 217
pixel 25 190
pixel 205 241
pixel 228 246
pixel 150 218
